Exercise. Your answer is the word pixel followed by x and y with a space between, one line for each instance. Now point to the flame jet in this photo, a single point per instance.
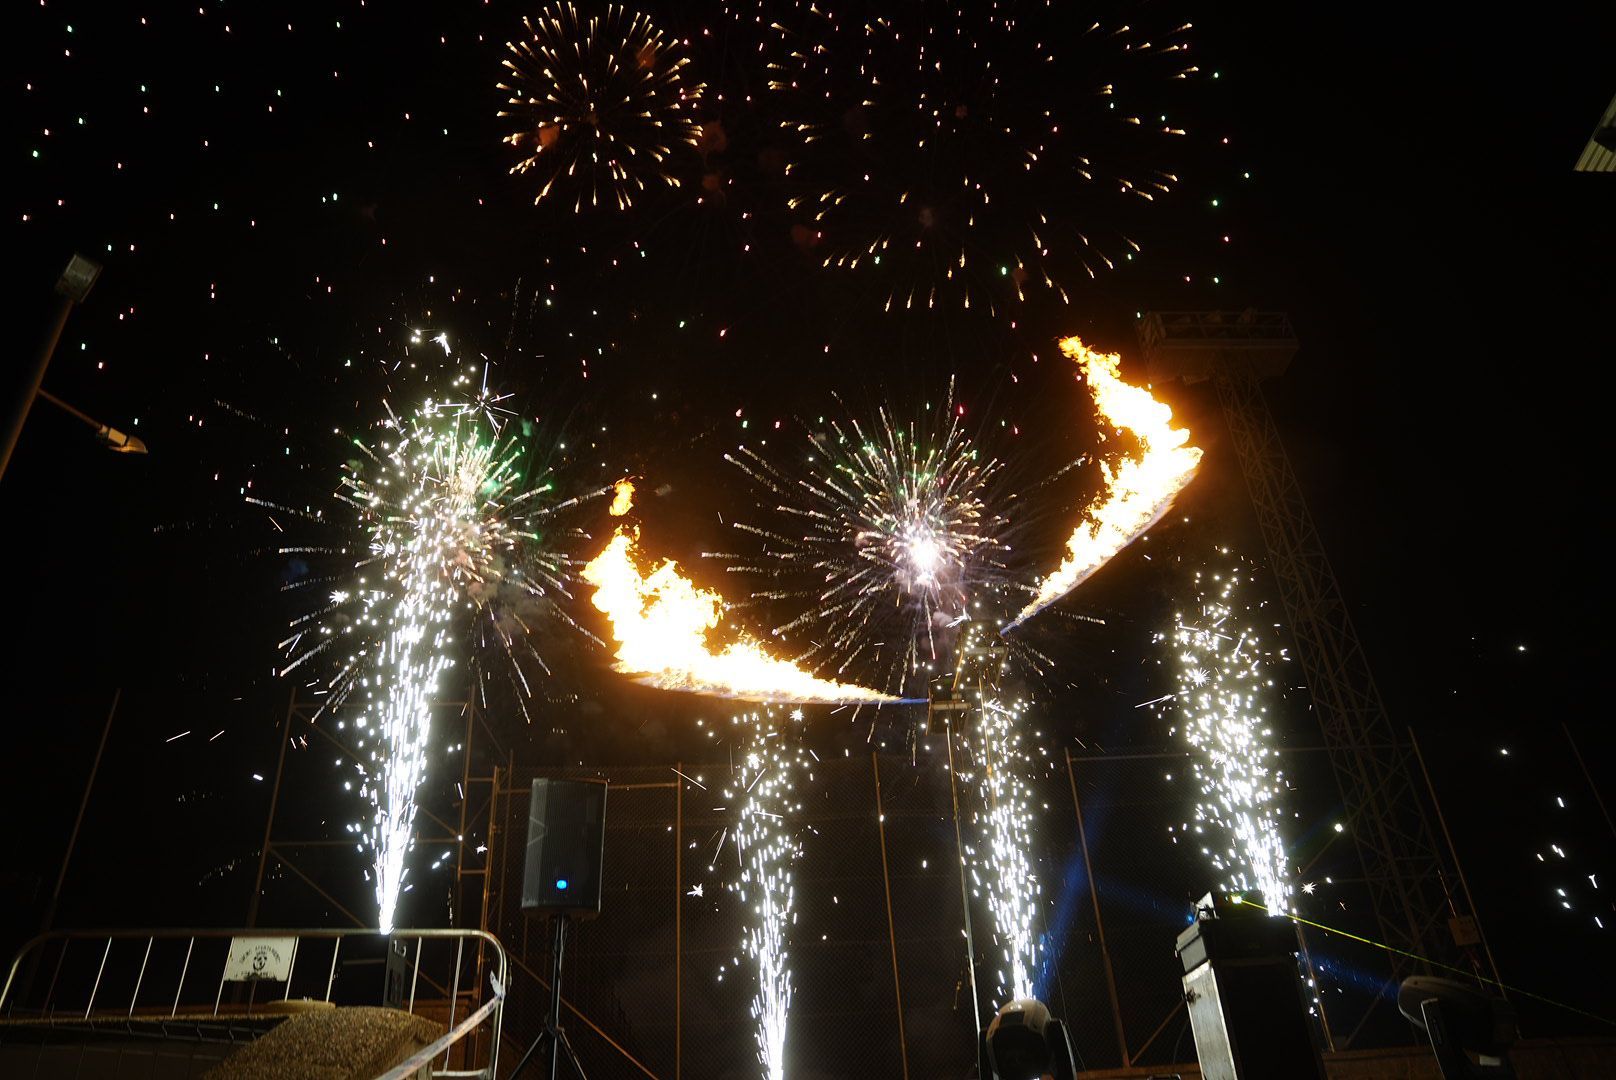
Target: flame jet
pixel 661 620
pixel 1138 490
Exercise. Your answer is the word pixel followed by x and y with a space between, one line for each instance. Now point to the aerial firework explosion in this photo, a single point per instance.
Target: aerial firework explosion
pixel 766 839
pixel 1137 492
pixel 1224 684
pixel 966 154
pixel 600 104
pixel 885 533
pixel 454 526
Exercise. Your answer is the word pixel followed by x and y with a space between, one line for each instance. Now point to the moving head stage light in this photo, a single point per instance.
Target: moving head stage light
pixel 1023 1042
pixel 1458 1017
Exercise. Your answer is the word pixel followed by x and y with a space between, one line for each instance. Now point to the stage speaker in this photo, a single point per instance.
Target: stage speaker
pixel 566 847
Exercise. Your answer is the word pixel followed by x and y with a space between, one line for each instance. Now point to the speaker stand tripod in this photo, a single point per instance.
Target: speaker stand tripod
pixel 553 1032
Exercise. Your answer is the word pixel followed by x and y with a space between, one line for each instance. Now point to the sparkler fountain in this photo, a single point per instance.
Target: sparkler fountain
pixel 767 844
pixel 1222 671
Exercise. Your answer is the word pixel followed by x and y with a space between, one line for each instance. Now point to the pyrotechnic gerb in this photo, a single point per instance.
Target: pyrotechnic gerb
pixel 969 154
pixel 767 843
pixel 999 852
pixel 455 553
pixel 1137 491
pixel 878 538
pixel 1224 676
pixel 599 104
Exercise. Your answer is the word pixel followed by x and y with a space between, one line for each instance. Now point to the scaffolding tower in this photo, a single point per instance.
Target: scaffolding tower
pixel 1373 763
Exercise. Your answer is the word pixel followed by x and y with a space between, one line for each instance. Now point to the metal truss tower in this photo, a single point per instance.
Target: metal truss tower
pixel 1373 763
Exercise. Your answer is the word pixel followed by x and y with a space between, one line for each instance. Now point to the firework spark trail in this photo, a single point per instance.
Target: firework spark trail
pixel 1222 671
pixel 1137 492
pixel 661 622
pixel 886 539
pixel 768 845
pixel 601 102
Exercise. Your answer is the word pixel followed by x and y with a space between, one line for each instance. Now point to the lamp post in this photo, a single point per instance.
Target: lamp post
pixel 71 288
pixel 115 440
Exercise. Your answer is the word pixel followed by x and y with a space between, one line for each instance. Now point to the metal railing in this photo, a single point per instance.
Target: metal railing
pixel 141 980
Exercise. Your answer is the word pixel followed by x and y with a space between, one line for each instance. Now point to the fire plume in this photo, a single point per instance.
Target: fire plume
pixel 1138 490
pixel 661 621
pixel 622 498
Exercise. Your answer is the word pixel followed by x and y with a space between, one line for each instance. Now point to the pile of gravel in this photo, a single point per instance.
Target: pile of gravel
pixel 330 1044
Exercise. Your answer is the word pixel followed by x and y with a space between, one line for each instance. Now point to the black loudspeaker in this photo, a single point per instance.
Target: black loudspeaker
pixel 566 847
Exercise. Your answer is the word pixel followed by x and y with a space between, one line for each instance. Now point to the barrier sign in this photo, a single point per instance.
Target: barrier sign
pixel 254 959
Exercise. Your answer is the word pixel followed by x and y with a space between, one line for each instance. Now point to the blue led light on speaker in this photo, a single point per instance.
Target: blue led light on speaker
pixel 561 883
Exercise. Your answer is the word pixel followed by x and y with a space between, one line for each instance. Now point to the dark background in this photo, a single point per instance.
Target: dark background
pixel 1410 203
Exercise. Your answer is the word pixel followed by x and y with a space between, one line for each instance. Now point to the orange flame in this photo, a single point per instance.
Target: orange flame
pixel 660 623
pixel 1138 491
pixel 622 498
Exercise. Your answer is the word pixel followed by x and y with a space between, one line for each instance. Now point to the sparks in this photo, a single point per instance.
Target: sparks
pixel 1224 685
pixel 768 844
pixel 455 550
pixel 884 534
pixel 999 859
pixel 1137 492
pixel 600 102
pixel 973 155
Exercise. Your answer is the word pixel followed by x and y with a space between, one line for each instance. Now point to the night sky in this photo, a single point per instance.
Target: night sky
pixel 279 195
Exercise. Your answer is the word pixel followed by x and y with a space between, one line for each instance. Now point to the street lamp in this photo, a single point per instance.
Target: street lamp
pixel 71 288
pixel 115 440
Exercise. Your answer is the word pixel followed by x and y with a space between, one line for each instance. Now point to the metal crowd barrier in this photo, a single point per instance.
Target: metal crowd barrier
pixel 161 981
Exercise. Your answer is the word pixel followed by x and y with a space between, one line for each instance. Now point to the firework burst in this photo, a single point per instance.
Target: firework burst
pixel 886 532
pixel 768 845
pixel 600 103
pixel 1224 684
pixel 968 154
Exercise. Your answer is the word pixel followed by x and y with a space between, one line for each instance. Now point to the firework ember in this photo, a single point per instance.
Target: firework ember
pixel 1137 492
pixel 661 623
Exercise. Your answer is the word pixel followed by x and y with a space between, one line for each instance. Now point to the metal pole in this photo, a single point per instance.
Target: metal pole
pixel 1586 775
pixel 678 922
pixel 465 809
pixel 72 287
pixel 30 386
pixel 1094 897
pixel 89 785
pixel 269 825
pixel 965 895
pixel 892 935
pixel 1457 865
pixel 555 995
